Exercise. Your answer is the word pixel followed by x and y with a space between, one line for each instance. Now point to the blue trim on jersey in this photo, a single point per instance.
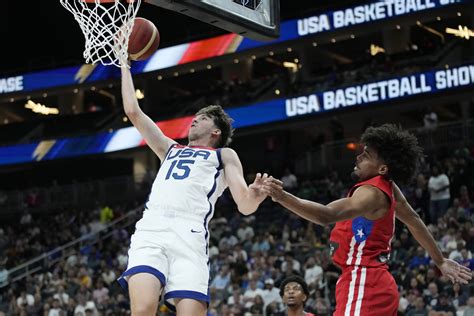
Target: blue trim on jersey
pixel 219 158
pixel 170 306
pixel 168 152
pixel 210 209
pixel 141 269
pixel 361 228
pixel 188 294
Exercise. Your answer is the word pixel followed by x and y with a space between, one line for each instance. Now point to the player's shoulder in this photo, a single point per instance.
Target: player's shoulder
pixel 229 155
pixel 369 191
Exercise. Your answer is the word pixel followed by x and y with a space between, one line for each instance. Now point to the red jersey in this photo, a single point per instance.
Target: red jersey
pixel 364 242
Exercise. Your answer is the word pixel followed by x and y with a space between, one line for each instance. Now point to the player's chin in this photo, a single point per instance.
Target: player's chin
pixel 355 176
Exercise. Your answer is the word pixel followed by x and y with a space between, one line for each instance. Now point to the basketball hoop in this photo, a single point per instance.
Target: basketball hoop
pixel 106 25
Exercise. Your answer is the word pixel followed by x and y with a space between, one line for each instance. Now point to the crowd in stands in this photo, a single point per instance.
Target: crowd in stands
pixel 251 256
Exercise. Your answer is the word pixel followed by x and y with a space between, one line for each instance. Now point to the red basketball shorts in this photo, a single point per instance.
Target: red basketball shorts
pixel 362 291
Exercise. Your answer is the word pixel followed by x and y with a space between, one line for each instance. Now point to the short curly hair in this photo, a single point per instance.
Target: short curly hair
pixel 222 120
pixel 398 149
pixel 296 279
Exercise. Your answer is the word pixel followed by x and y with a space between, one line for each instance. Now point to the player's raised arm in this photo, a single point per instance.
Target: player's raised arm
pixel 247 198
pixel 405 213
pixel 152 134
pixel 366 201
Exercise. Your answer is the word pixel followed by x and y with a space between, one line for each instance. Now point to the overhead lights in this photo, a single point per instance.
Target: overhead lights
pixel 292 66
pixel 289 49
pixel 209 67
pixel 40 108
pixel 353 36
pixel 296 60
pixel 459 13
pixel 438 18
pixel 192 70
pixel 398 27
pixel 176 74
pixel 160 77
pixel 375 49
pixel 139 94
pixel 75 90
pixel 12 100
pixel 463 32
pixel 277 92
pixel 333 40
pixel 236 61
pixel 315 44
pixel 254 57
pixel 125 119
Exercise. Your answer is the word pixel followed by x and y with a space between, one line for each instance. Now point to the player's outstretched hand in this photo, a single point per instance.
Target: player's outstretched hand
pixel 455 271
pixel 274 188
pixel 257 186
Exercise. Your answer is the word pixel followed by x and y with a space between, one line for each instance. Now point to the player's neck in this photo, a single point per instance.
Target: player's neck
pixel 296 311
pixel 201 143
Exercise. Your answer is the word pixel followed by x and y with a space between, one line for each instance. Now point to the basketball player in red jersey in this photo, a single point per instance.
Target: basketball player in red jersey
pixel 365 223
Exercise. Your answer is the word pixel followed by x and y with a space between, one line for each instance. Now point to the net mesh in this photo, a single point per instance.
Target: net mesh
pixel 106 26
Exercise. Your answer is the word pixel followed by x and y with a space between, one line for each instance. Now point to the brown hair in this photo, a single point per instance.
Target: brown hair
pixel 222 120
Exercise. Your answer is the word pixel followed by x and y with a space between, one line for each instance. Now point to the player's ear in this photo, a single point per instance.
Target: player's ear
pixel 383 170
pixel 217 132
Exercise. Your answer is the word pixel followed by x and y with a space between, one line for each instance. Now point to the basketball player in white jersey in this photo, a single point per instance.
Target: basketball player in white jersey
pixel 168 253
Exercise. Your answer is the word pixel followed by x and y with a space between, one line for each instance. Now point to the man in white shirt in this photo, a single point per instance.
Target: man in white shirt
pixel 313 272
pixel 271 294
pixel 438 185
pixel 251 292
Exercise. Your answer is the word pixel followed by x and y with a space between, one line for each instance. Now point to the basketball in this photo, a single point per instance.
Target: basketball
pixel 144 39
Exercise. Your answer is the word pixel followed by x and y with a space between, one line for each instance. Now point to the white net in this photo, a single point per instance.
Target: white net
pixel 106 25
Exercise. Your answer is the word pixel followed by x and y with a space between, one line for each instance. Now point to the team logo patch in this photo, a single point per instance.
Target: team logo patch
pixel 361 228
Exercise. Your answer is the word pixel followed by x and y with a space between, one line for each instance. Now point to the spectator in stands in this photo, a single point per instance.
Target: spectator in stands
pixel 106 214
pixel 294 292
pixel 438 185
pixel 245 231
pixel 56 309
pixel 236 298
pixel 25 299
pixel 469 311
pixel 430 120
pixel 250 294
pixel 444 307
pixel 271 295
pixel 313 272
pixel 458 296
pixel 420 259
pixel 221 281
pixel 419 308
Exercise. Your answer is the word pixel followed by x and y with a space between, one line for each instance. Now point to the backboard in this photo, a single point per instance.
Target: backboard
pixel 255 19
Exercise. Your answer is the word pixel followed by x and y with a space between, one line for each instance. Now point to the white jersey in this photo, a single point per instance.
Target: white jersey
pixel 190 180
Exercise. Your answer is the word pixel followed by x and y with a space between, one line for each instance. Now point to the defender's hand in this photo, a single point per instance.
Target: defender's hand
pixel 455 271
pixel 274 188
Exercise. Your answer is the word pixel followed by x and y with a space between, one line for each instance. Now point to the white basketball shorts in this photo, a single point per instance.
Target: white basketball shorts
pixel 172 247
